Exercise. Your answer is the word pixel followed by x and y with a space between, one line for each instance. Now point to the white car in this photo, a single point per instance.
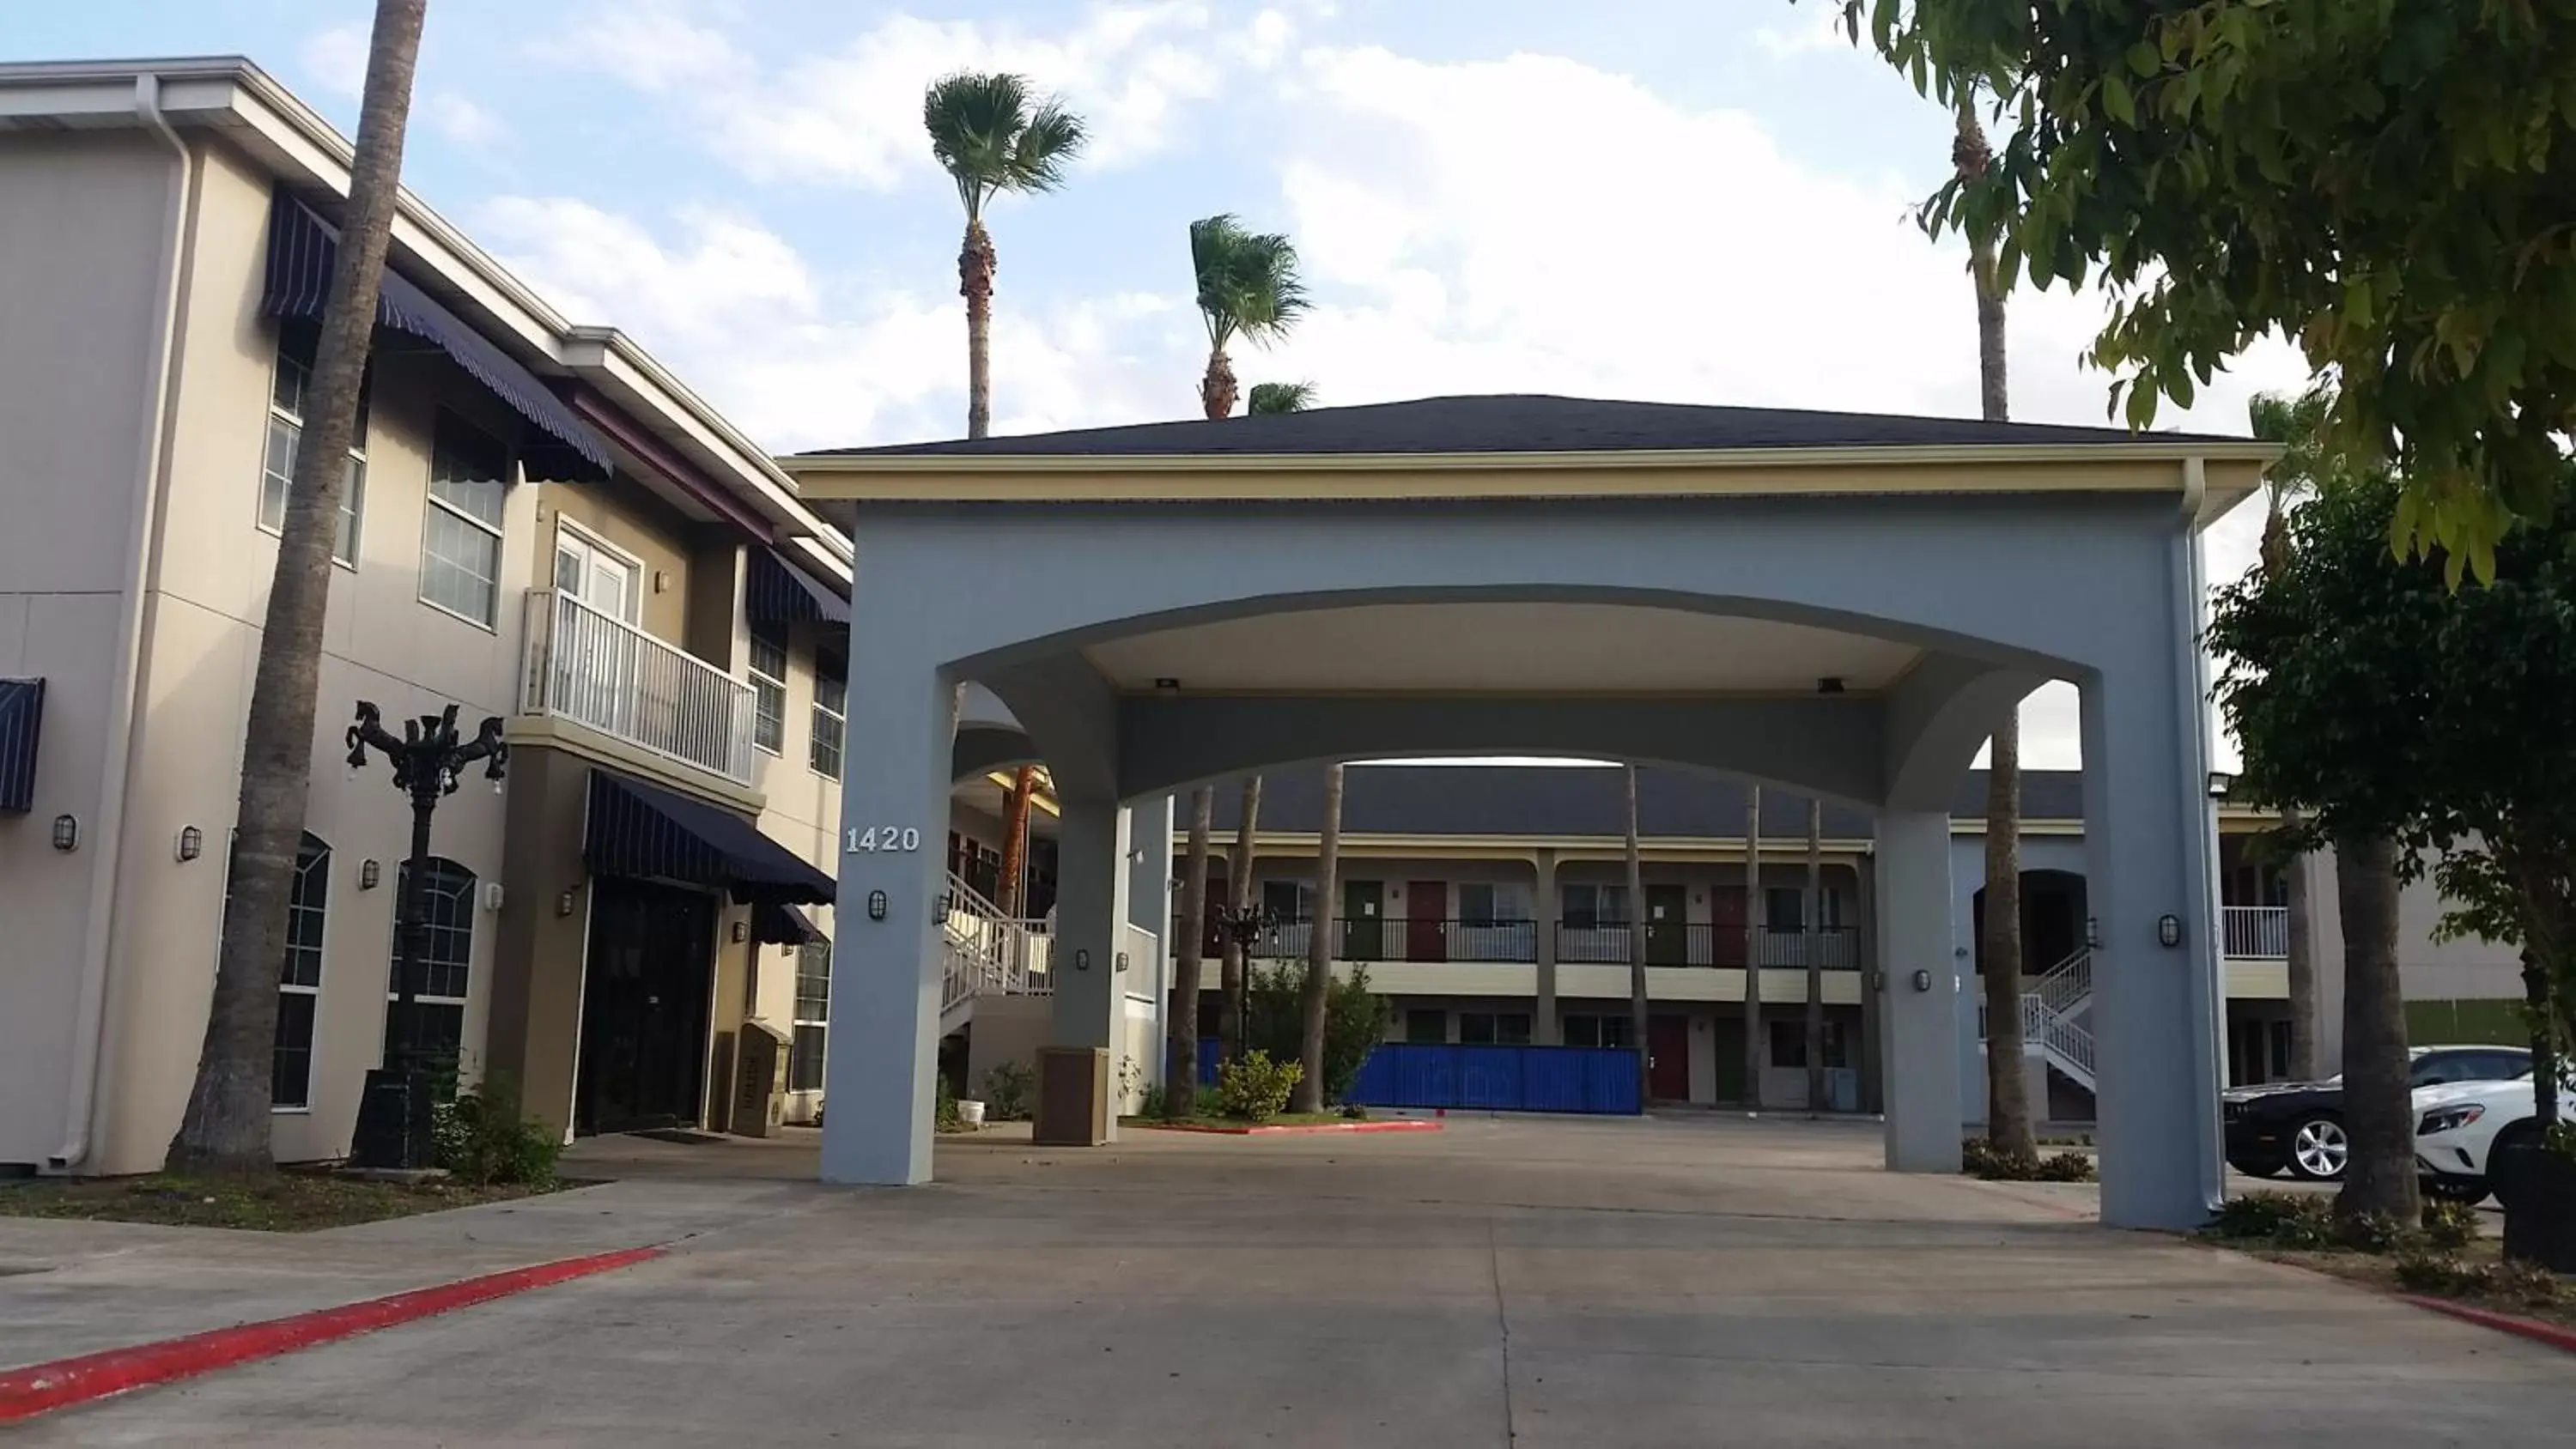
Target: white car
pixel 2459 1127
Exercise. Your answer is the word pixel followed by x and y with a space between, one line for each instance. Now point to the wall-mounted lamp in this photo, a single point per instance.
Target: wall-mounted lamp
pixel 740 933
pixel 66 833
pixel 1122 961
pixel 492 896
pixel 1081 960
pixel 1922 980
pixel 2169 930
pixel 876 905
pixel 2092 930
pixel 1167 685
pixel 563 904
pixel 661 582
pixel 1878 981
pixel 192 843
pixel 369 874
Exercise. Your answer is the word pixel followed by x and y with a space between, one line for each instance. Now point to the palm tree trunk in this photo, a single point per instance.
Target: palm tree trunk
pixel 1814 943
pixel 1217 389
pixel 2302 953
pixel 226 1125
pixel 1238 886
pixel 2379 1175
pixel 1015 842
pixel 1181 1082
pixel 1309 1096
pixel 1753 949
pixel 1637 951
pixel 2008 1123
pixel 976 264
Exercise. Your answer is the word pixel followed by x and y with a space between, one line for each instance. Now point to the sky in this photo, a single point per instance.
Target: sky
pixel 1672 200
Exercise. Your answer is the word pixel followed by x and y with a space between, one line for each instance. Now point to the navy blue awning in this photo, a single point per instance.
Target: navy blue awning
pixel 302 249
pixel 778 592
pixel 643 832
pixel 22 717
pixel 777 925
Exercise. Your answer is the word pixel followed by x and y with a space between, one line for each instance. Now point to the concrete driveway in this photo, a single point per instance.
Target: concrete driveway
pixel 1522 1282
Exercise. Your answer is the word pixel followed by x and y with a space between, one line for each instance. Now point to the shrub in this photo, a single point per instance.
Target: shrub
pixel 2371 1233
pixel 2066 1167
pixel 1981 1158
pixel 2449 1226
pixel 483 1138
pixel 2286 1219
pixel 945 1116
pixel 1354 1021
pixel 1158 1103
pixel 1009 1090
pixel 2435 1273
pixel 2525 1285
pixel 1255 1088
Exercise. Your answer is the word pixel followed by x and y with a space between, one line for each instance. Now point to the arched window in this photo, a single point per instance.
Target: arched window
pixel 299 978
pixel 813 1016
pixel 446 959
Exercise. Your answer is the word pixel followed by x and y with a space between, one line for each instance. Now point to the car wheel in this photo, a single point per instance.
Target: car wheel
pixel 2319 1148
pixel 2253 1168
pixel 2444 1188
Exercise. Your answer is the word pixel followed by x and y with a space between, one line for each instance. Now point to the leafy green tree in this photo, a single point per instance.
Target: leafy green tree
pixel 1355 1020
pixel 1270 398
pixel 1247 287
pixel 2375 180
pixel 991 137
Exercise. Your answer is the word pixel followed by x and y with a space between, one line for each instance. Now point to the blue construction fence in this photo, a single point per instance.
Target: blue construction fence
pixel 1596 1080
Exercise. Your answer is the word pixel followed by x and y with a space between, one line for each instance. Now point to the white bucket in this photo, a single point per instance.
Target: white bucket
pixel 971 1113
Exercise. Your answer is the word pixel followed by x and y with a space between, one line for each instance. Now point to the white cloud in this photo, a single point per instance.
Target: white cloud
pixel 335 60
pixel 1822 31
pixel 461 120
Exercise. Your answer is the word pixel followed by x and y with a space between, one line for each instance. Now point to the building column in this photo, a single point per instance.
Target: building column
pixel 1091 910
pixel 1149 905
pixel 1918 1009
pixel 1873 1095
pixel 884 1031
pixel 1546 1027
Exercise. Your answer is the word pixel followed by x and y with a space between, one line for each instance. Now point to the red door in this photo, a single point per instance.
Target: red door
pixel 1726 922
pixel 1668 1058
pixel 1426 911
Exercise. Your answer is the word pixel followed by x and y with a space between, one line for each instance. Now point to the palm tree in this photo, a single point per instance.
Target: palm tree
pixel 2008 1123
pixel 1230 979
pixel 1311 1002
pixel 1015 842
pixel 1180 1092
pixel 1637 949
pixel 1271 398
pixel 1248 286
pixel 991 139
pixel 225 1127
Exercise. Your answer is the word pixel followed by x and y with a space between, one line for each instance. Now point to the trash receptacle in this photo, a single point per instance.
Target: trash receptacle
pixel 760 1080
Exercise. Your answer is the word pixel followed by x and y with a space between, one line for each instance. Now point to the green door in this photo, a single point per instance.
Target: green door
pixel 1363 920
pixel 1667 938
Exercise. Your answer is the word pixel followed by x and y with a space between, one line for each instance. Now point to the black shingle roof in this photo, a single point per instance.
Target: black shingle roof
pixel 1519 423
pixel 1574 800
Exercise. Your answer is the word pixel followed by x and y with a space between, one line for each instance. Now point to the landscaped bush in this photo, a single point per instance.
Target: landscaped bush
pixel 2371 1233
pixel 1354 1021
pixel 2285 1219
pixel 1010 1090
pixel 2523 1284
pixel 945 1115
pixel 1256 1088
pixel 2449 1226
pixel 483 1138
pixel 1981 1158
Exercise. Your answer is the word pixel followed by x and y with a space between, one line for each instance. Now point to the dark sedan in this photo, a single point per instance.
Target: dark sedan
pixel 2299 1125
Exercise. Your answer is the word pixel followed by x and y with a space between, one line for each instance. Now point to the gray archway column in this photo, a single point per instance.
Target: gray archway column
pixel 884 1031
pixel 1917 1023
pixel 1091 907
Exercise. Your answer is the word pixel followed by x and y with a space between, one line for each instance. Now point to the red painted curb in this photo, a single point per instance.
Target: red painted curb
pixel 1290 1128
pixel 2551 1334
pixel 45 1387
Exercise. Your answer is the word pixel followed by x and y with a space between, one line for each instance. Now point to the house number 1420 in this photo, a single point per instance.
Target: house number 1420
pixel 882 837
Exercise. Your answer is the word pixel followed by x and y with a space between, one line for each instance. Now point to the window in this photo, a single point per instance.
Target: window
pixel 286 398
pixel 299 979
pixel 831 688
pixel 446 959
pixel 1288 900
pixel 460 543
pixel 1590 907
pixel 768 687
pixel 1784 908
pixel 1426 1025
pixel 1491 903
pixel 1600 1031
pixel 1789 1043
pixel 813 1016
pixel 1494 1028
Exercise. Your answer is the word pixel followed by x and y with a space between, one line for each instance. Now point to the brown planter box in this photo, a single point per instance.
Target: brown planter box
pixel 1073 1097
pixel 2538 1190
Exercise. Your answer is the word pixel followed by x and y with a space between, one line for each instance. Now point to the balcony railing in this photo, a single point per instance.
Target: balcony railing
pixel 1419 941
pixel 600 671
pixel 2259 932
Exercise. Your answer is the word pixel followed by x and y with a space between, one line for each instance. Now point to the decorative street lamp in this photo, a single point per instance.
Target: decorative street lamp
pixel 393 1115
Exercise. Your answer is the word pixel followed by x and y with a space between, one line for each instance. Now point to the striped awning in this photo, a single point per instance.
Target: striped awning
pixel 778 592
pixel 777 925
pixel 637 831
pixel 302 249
pixel 22 718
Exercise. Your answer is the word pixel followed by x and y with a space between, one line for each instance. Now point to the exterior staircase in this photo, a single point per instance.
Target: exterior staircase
pixel 2057 1017
pixel 983 952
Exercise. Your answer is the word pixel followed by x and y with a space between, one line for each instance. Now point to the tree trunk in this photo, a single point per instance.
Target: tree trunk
pixel 1239 887
pixel 1637 952
pixel 2378 1109
pixel 1217 389
pixel 2537 994
pixel 976 264
pixel 2305 1065
pixel 1814 923
pixel 226 1125
pixel 1309 1096
pixel 2008 1124
pixel 1015 843
pixel 1753 949
pixel 1181 1081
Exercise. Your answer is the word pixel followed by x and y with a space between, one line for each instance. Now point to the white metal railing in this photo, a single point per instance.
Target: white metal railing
pixel 598 670
pixel 2072 1045
pixel 2259 932
pixel 2067 987
pixel 983 952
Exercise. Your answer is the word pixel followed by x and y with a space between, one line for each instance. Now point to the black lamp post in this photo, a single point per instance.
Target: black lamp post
pixel 1244 929
pixel 393 1115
